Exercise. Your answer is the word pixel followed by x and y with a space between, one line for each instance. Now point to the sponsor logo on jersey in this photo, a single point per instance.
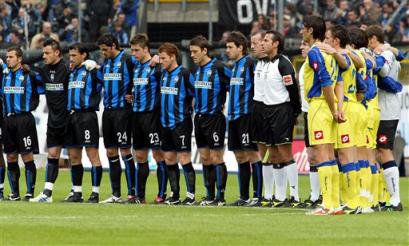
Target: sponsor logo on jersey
pixel 76 84
pixel 203 85
pixel 112 76
pixel 236 81
pixel 383 139
pixel 13 90
pixel 140 81
pixel 54 87
pixel 169 90
pixel 318 135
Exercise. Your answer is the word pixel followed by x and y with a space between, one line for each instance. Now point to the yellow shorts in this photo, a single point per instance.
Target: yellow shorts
pixel 361 128
pixel 321 124
pixel 374 117
pixel 345 134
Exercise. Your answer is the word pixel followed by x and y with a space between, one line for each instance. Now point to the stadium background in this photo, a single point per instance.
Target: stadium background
pixel 21 23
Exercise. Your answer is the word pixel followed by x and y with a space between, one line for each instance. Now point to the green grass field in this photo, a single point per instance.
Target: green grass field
pixel 23 223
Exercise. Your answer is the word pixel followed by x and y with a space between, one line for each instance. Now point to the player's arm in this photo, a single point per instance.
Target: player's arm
pixel 128 76
pixel 287 72
pixel 356 59
pixel 225 74
pixel 338 55
pixel 339 93
pixel 387 65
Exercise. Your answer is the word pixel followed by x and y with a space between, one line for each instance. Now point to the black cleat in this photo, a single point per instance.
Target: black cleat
pixel 281 204
pixel 139 200
pixel 255 202
pixel 14 197
pixel 218 203
pixel 294 203
pixel 27 197
pixel 266 203
pixel 189 201
pixel 93 198
pixel 392 208
pixel 348 210
pixel 239 202
pixel 206 201
pixel 76 197
pixel 310 204
pixel 172 201
pixel 1 195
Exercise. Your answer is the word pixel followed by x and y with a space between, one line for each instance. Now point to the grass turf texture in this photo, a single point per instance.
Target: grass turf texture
pixel 23 223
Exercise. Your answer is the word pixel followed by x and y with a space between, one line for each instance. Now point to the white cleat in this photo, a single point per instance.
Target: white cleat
pixel 42 198
pixel 112 199
pixel 367 210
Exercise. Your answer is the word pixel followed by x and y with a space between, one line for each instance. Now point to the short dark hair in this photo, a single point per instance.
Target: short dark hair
pixel 277 36
pixel 357 37
pixel 201 42
pixel 81 49
pixel 18 50
pixel 341 33
pixel 169 48
pixel 317 23
pixel 108 40
pixel 375 30
pixel 140 39
pixel 238 39
pixel 55 45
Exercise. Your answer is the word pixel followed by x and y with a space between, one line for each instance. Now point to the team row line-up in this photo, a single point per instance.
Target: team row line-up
pixel 347 89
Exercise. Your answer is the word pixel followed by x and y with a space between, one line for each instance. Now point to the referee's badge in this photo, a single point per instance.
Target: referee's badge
pixel 288 80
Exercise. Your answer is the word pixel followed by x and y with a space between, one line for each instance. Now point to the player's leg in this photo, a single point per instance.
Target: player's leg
pixel 13 174
pixel 173 175
pixel 2 172
pixel 161 174
pixel 257 177
pixel 77 173
pixel 243 175
pixel 96 173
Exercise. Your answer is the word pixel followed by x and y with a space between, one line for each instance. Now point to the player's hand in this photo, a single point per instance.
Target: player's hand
pixel 326 48
pixel 341 116
pixel 154 61
pixel 89 65
pixel 129 98
pixel 26 68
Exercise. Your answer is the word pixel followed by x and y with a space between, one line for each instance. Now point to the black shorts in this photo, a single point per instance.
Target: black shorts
pixel 386 134
pixel 55 137
pixel 210 130
pixel 146 130
pixel 306 135
pixel 239 134
pixel 116 128
pixel 82 130
pixel 258 124
pixel 20 134
pixel 280 124
pixel 178 139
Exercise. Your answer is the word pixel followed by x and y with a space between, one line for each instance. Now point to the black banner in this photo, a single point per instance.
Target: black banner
pixel 242 12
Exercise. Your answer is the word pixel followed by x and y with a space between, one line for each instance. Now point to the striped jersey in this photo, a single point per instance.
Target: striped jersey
pixel 211 85
pixel 241 88
pixel 84 90
pixel 176 95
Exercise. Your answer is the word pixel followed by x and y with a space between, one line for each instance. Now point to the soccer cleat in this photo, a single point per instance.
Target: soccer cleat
pixel 392 208
pixel 14 197
pixel 255 202
pixel 336 211
pixel 69 196
pixel 189 201
pixel 159 200
pixel 112 199
pixel 367 210
pixel 219 203
pixel 172 201
pixel 76 197
pixel 281 204
pixel 93 198
pixel 130 199
pixel 376 208
pixel 294 203
pixel 140 200
pixel 239 202
pixel 348 210
pixel 309 204
pixel 206 201
pixel 319 212
pixel 266 203
pixel 27 197
pixel 1 196
pixel 42 198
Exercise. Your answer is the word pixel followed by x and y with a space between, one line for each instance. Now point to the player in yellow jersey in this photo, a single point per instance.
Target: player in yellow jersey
pixel 336 39
pixel 320 77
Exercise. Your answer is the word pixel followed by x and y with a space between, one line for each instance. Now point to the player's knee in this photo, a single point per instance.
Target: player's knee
pixel 157 155
pixel 111 152
pixel 125 151
pixel 12 158
pixel 184 158
pixel 141 156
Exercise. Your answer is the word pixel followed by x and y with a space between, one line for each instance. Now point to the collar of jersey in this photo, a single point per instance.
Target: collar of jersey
pixel 242 58
pixel 176 69
pixel 119 55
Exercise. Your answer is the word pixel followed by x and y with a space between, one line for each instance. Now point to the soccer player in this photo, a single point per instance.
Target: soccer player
pixel 146 118
pixel 117 73
pixel 282 101
pixel 176 119
pixel 239 114
pixel 314 199
pixel 2 164
pixel 320 76
pixel 20 93
pixel 54 76
pixel 258 123
pixel 84 90
pixel 389 104
pixel 211 84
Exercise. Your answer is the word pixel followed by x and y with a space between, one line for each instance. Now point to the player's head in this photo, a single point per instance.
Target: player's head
pixel 108 45
pixel 304 47
pixel 357 37
pixel 140 46
pixel 375 36
pixel 314 28
pixel 273 43
pixel 78 54
pixel 337 36
pixel 256 47
pixel 168 55
pixel 14 57
pixel 52 52
pixel 199 49
pixel 236 45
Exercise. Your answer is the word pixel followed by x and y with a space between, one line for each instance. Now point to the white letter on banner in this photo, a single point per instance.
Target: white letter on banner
pixel 249 11
pixel 261 9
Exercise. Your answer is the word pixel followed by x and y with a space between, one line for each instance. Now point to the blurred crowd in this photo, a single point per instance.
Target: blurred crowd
pixel 38 20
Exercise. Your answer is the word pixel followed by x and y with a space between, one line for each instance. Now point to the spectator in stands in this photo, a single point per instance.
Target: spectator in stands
pixel 255 27
pixel 5 19
pixel 38 39
pixel 305 7
pixel 71 33
pixel 369 11
pixel 288 28
pixel 15 38
pixel 65 19
pixel 387 12
pixel 391 34
pixel 332 12
pixel 98 13
pixel 343 7
pixel 404 28
pixel 14 6
pixel 225 36
pixel 273 21
pixel 120 34
pixel 263 21
pixel 352 19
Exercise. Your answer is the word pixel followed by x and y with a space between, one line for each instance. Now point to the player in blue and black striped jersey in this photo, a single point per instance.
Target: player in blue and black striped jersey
pixel 176 87
pixel 211 84
pixel 84 95
pixel 117 73
pixel 239 115
pixel 20 93
pixel 146 118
